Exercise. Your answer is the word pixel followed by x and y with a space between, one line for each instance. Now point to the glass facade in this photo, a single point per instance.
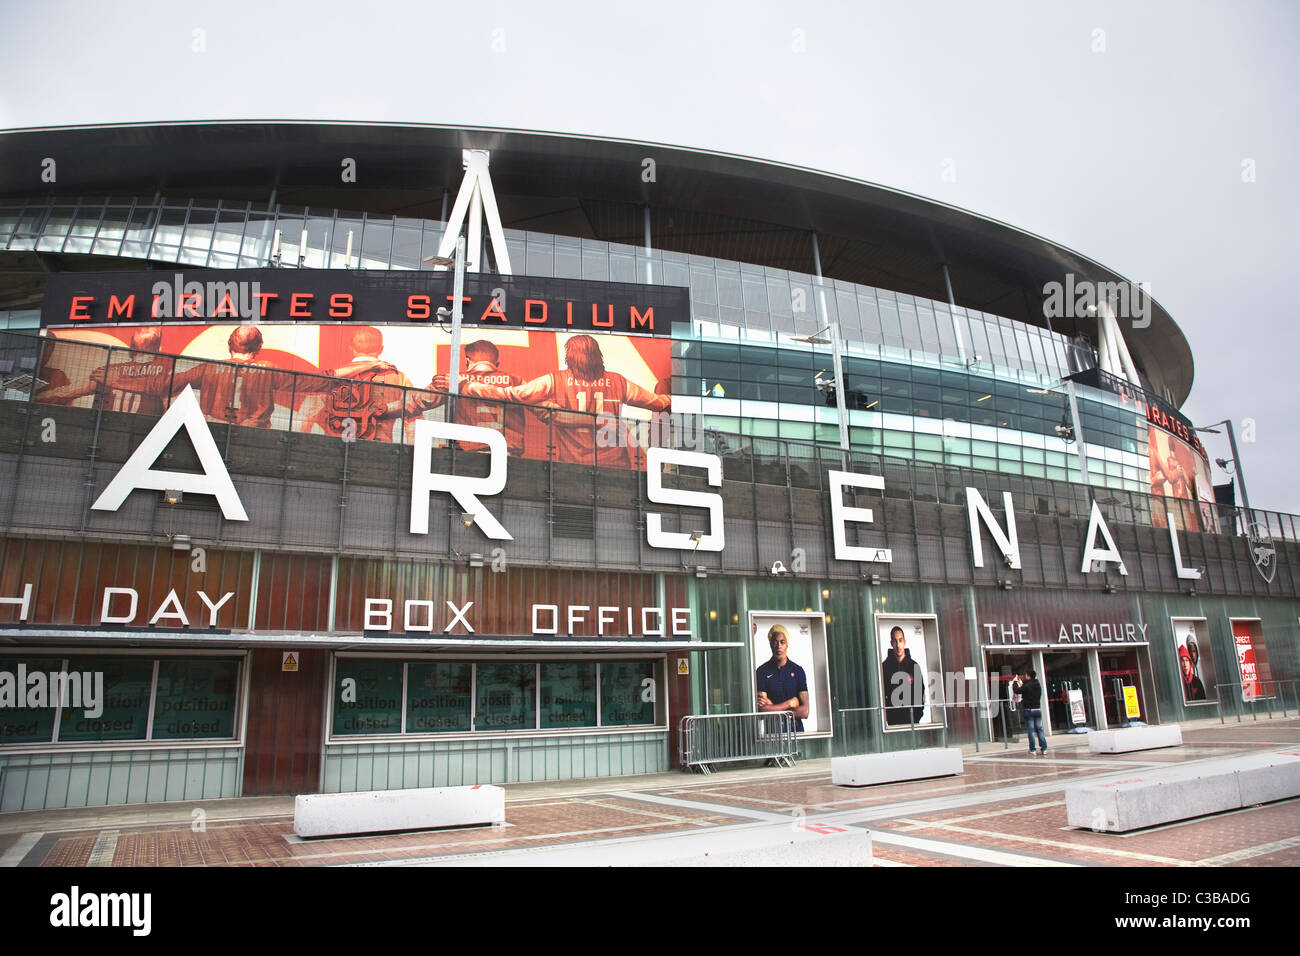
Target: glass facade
pixel 924 379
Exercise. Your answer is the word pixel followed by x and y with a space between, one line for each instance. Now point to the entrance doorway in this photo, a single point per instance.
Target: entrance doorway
pixel 1066 672
pixel 1120 670
pixel 1003 666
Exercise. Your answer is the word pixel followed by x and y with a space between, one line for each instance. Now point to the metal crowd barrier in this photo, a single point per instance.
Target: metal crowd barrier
pixel 1276 697
pixel 721 738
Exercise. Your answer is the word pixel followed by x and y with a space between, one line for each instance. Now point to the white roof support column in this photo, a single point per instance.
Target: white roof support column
pixel 475 200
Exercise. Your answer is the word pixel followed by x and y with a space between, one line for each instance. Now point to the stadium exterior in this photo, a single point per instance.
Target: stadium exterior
pixel 816 407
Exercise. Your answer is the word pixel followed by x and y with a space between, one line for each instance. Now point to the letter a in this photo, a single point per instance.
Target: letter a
pixel 138 472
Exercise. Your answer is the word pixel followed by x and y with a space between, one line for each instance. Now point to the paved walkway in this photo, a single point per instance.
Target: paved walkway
pixel 1007 809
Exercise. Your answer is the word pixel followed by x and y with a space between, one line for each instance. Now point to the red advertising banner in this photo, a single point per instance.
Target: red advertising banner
pixel 571 396
pixel 1243 636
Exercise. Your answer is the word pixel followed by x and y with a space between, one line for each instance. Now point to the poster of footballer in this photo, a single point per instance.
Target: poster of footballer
pixel 790 669
pixel 909 653
pixel 576 396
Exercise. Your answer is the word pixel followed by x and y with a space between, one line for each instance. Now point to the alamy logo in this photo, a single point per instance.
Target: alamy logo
pixel 74 909
pixel 179 299
pixel 1081 298
pixel 46 689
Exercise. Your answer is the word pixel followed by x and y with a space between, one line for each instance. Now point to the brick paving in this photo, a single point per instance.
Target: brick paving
pixel 972 819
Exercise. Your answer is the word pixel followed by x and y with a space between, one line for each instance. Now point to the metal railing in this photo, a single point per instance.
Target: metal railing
pixel 723 738
pixel 1272 695
pixel 862 729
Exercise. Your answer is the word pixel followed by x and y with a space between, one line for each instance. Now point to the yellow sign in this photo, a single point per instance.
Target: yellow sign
pixel 1131 709
pixel 289 662
pixel 683 667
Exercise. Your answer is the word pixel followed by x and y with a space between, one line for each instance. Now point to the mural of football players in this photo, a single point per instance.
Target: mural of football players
pixel 363 407
pixel 139 382
pixel 483 367
pixel 241 391
pixel 583 393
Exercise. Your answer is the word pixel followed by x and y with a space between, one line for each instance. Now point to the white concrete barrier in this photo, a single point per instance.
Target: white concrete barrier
pixel 864 770
pixel 380 811
pixel 1268 777
pixel 1128 739
pixel 1151 797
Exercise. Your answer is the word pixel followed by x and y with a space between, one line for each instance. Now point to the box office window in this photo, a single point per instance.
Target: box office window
pixel 21 724
pixel 568 695
pixel 505 697
pixel 367 696
pixel 372 696
pixel 623 687
pixel 125 707
pixel 438 697
pixel 195 699
pixel 106 699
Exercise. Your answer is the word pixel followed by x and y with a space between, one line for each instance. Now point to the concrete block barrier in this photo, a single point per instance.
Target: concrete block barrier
pixel 1150 798
pixel 380 811
pixel 866 769
pixel 1128 739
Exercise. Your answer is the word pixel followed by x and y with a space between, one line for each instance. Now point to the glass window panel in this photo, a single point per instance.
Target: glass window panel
pixel 28 725
pixel 55 228
pixel 505 696
pixel 889 320
pixel 541 259
pixel 438 697
pixel 729 290
pixel 595 262
pixel 198 232
pixel 568 259
pixel 171 223
pixel 258 236
pixel 622 685
pixel 127 681
pixel 943 322
pixel 367 696
pixel 568 694
pixel 407 246
pixel 376 241
pixel 195 699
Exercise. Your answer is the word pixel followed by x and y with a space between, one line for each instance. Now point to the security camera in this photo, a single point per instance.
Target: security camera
pixel 778 568
pixel 1065 433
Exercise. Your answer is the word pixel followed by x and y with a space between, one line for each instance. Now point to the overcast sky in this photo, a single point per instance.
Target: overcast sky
pixel 1160 138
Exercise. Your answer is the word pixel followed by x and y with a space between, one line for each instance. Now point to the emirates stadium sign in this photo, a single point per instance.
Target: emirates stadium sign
pixel 348 296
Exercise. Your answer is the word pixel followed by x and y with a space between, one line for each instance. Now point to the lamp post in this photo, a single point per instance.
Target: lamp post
pixel 457 314
pixel 1239 472
pixel 837 366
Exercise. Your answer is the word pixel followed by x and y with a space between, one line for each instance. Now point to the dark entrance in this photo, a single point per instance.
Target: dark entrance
pixel 1066 671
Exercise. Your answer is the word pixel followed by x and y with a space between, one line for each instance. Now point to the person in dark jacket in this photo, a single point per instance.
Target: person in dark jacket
pixel 901 683
pixel 1031 710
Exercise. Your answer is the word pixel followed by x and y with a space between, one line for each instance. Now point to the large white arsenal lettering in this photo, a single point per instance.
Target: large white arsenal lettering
pixel 138 472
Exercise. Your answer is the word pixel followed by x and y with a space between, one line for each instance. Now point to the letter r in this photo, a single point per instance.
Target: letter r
pixel 463 489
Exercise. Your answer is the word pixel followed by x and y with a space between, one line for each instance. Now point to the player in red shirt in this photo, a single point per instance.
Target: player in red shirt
pixel 241 391
pixel 484 368
pixel 140 382
pixel 583 386
pixel 372 407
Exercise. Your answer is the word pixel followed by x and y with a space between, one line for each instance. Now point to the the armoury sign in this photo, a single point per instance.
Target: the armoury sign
pixel 1099 549
pixel 374 297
